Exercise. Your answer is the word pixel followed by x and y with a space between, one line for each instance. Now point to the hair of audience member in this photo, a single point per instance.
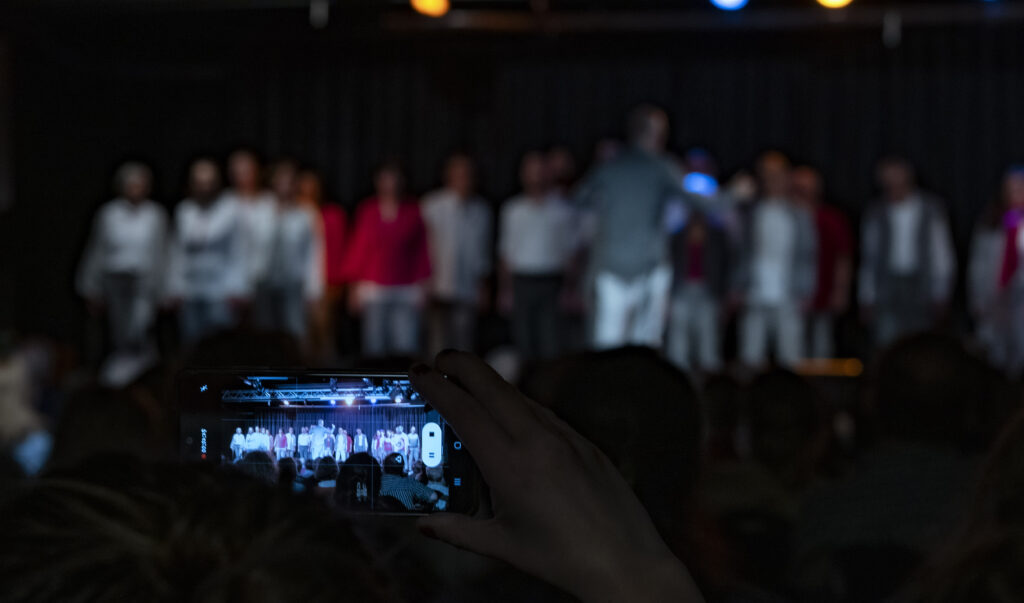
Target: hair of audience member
pixel 789 429
pixel 359 473
pixel 326 469
pixel 721 404
pixel 394 464
pixel 286 472
pixel 984 561
pixel 170 534
pixel 309 464
pixel 97 420
pixel 927 388
pixel 258 464
pixel 643 413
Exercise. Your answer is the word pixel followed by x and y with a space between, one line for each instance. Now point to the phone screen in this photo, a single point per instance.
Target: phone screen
pixel 365 441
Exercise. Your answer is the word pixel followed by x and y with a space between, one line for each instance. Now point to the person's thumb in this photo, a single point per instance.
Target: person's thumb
pixel 476 535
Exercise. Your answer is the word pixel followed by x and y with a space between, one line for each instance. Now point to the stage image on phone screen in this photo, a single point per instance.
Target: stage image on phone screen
pixel 366 442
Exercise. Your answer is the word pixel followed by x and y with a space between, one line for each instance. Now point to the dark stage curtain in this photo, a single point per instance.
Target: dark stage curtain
pixel 90 93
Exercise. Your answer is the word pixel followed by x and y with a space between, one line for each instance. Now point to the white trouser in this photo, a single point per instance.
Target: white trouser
pixel 694 329
pixel 781 324
pixel 631 311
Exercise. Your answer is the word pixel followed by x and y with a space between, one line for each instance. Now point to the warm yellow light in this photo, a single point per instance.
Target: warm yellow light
pixel 431 8
pixel 834 3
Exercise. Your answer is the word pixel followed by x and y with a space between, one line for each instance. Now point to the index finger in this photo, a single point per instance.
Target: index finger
pixel 499 397
pixel 475 426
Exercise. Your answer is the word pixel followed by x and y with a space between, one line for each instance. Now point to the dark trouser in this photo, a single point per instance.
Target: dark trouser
pixel 452 326
pixel 200 318
pixel 130 311
pixel 535 315
pixel 281 309
pixel 904 310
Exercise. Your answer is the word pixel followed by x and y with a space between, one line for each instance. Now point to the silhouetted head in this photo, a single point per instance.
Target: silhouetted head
pixel 805 186
pixel 773 173
pixel 309 187
pixel 459 175
pixel 244 171
pixel 533 174
pixel 186 535
pixel 326 469
pixel 133 181
pixel 1013 188
pixel 924 389
pixel 259 465
pixel 896 178
pixel 204 181
pixel 640 411
pixel 561 167
pixel 647 128
pixel 358 481
pixel 283 175
pixel 788 425
pixel 394 464
pixel 388 181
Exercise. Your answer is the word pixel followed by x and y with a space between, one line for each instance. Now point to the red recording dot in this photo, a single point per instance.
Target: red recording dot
pixel 202 456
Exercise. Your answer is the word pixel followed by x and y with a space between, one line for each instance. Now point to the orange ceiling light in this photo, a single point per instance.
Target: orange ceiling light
pixel 834 3
pixel 431 8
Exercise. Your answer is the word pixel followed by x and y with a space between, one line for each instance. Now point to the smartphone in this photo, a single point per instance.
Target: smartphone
pixel 365 440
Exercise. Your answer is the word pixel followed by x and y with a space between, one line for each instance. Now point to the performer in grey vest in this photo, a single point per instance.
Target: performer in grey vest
pixel 777 270
pixel 908 263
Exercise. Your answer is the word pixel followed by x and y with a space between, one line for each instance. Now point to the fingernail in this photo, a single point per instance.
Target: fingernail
pixel 428 532
pixel 419 369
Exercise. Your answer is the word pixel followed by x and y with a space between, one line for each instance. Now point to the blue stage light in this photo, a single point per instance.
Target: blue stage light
pixel 729 4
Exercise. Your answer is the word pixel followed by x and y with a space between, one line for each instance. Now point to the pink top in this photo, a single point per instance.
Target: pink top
pixel 388 252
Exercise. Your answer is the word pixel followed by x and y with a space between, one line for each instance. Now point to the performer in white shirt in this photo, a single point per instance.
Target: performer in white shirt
pixel 459 229
pixel 414 445
pixel 360 443
pixel 778 270
pixel 294 282
pixel 290 437
pixel 258 215
pixel 207 275
pixel 341 447
pixel 317 434
pixel 121 272
pixel 237 444
pixel 304 440
pixel 536 243
pixel 252 440
pixel 377 448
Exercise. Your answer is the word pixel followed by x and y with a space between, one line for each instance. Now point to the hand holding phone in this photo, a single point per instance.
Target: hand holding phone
pixel 561 511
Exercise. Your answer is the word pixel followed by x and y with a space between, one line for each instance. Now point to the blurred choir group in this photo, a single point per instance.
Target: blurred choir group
pixel 316 441
pixel 642 250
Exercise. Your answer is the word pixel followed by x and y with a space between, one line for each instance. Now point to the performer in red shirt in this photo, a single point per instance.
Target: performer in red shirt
pixel 389 263
pixel 835 261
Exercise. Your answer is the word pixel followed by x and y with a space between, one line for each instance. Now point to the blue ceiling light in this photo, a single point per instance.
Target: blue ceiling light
pixel 729 4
